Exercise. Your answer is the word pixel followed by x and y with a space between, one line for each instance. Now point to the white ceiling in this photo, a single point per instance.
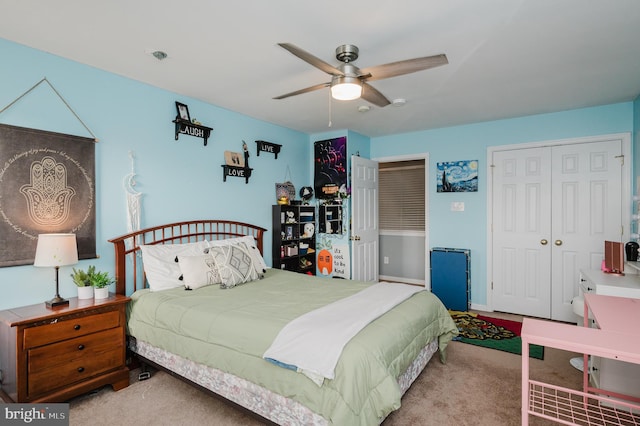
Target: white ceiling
pixel 507 58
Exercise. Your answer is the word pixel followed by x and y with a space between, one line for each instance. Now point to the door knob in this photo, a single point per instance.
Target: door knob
pixel 543 242
pixel 355 238
pixel 558 242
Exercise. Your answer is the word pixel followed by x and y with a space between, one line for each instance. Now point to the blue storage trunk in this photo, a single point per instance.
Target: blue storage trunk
pixel 450 277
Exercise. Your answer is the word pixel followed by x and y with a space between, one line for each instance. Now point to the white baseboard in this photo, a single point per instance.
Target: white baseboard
pixel 483 308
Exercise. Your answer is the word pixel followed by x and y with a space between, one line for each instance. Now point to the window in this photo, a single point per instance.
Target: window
pixel 401 193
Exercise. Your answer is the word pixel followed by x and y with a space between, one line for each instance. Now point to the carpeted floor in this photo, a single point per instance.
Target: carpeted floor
pixel 478 386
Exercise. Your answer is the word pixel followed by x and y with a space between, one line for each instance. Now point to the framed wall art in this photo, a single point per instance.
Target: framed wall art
pixel 234 159
pixel 183 112
pixel 457 176
pixel 47 185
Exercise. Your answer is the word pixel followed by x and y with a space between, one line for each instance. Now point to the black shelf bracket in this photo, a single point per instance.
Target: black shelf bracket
pixel 264 146
pixel 186 128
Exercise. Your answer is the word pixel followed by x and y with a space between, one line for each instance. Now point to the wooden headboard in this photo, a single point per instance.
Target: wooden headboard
pixel 128 246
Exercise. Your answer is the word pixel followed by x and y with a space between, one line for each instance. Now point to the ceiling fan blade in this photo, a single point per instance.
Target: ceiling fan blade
pixel 306 90
pixel 371 94
pixel 408 66
pixel 309 58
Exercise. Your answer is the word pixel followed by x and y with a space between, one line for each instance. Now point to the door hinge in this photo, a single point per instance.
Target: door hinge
pixel 491 285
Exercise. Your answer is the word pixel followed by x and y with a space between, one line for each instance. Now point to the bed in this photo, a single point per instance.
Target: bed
pixel 216 336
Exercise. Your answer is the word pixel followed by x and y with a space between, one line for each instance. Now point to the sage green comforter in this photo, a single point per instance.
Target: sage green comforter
pixel 231 329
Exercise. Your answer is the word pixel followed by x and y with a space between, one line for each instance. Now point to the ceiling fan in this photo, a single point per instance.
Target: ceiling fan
pixel 350 82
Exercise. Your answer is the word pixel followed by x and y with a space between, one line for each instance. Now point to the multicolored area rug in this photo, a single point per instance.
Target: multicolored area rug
pixel 494 333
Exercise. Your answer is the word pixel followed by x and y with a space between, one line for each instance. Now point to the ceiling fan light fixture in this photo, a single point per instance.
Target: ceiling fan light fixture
pixel 344 88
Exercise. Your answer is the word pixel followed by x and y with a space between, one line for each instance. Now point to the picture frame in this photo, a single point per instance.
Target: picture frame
pixel 457 176
pixel 233 159
pixel 183 112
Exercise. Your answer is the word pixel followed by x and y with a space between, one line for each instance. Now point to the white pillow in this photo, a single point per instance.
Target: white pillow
pixel 198 271
pixel 161 266
pixel 250 241
pixel 235 264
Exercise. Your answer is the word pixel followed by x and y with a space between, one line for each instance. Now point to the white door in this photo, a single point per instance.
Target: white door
pixel 521 231
pixel 587 200
pixel 364 219
pixel 553 208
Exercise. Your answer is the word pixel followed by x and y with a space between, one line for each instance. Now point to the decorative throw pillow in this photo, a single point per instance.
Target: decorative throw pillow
pixel 161 263
pixel 198 271
pixel 235 264
pixel 258 261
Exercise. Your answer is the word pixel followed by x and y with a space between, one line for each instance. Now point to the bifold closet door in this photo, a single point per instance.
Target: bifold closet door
pixel 553 208
pixel 521 231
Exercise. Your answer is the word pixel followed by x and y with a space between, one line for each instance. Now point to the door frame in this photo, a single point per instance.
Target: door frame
pixel 419 156
pixel 626 189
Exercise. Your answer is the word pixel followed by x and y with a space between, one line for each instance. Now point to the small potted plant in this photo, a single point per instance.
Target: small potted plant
pixel 101 282
pixel 83 281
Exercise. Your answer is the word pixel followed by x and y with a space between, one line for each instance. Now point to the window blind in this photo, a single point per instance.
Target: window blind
pixel 401 194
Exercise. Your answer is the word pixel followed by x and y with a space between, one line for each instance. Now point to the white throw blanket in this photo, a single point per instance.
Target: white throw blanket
pixel 313 342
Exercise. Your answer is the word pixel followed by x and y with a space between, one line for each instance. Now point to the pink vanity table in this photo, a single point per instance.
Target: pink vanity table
pixel 617 337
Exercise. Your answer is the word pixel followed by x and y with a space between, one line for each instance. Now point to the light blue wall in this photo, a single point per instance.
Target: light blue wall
pixel 180 179
pixel 469 142
pixel 183 179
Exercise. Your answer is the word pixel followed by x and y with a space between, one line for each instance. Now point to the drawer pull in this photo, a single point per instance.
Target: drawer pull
pixel 80 347
pixel 80 369
pixel 76 327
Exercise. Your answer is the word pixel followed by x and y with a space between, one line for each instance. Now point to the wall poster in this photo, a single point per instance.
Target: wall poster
pixel 341 261
pixel 330 167
pixel 457 176
pixel 47 185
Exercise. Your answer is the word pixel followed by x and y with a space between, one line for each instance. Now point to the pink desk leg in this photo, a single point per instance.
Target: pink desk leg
pixel 585 357
pixel 525 382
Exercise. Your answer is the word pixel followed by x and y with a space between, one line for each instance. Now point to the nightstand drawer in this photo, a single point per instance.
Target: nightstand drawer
pixel 72 372
pixel 70 328
pixel 92 345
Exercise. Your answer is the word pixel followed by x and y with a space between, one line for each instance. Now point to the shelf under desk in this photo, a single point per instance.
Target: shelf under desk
pixel 618 339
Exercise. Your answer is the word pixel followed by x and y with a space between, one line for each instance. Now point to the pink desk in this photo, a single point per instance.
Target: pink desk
pixel 618 314
pixel 618 338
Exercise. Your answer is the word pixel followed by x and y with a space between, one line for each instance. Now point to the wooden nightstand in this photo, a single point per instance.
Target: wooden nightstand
pixel 52 355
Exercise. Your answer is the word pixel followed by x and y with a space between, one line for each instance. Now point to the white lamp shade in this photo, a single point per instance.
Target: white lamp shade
pixel 56 250
pixel 346 88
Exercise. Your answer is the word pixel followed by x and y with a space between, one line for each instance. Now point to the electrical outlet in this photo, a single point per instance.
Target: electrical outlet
pixel 386 260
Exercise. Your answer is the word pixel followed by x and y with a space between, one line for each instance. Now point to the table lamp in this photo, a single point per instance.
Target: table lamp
pixel 56 250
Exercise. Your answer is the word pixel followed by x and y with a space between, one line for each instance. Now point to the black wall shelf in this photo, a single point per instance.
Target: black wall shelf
pixel 264 146
pixel 244 172
pixel 186 128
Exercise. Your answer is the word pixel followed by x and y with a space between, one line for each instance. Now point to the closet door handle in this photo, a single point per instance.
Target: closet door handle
pixel 558 242
pixel 544 242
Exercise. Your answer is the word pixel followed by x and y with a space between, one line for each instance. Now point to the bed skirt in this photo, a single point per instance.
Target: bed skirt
pixel 268 404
